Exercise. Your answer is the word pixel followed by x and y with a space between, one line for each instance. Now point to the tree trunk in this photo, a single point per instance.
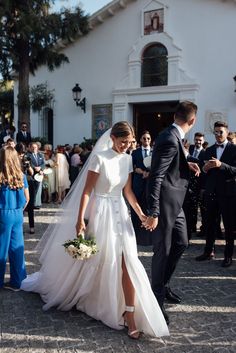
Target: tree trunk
pixel 23 94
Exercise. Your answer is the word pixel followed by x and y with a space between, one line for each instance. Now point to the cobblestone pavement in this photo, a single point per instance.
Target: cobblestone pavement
pixel 205 322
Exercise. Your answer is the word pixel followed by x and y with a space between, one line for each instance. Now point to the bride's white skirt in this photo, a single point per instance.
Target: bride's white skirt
pixel 95 285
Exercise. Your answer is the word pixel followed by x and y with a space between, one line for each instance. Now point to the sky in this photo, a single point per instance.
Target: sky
pixel 89 6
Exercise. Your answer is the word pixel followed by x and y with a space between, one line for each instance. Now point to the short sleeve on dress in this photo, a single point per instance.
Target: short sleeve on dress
pixel 95 164
pixel 130 164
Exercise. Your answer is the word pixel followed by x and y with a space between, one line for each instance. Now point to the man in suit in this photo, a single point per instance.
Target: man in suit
pixel 5 134
pixel 220 192
pixel 194 195
pixel 23 135
pixel 167 185
pixel 196 150
pixel 139 181
pixel 37 162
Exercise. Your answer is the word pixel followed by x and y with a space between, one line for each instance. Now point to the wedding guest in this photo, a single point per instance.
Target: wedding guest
pixel 62 174
pixel 220 192
pixel 38 164
pixel 194 195
pixel 14 196
pixel 140 176
pixel 232 137
pixel 69 151
pixel 111 286
pixel 84 155
pixel 47 149
pixel 23 135
pixel 6 133
pixel 29 172
pixel 132 147
pixel 167 185
pixel 76 164
pixel 49 179
pixel 140 171
pixel 205 145
pixel 10 142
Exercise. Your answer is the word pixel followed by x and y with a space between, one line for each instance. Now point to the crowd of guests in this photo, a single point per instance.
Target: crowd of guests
pixel 210 198
pixel 50 173
pixel 46 176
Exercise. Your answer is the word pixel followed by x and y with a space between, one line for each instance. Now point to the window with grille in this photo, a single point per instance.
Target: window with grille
pixel 155 66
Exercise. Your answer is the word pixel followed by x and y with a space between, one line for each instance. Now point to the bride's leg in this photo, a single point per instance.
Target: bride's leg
pixel 129 294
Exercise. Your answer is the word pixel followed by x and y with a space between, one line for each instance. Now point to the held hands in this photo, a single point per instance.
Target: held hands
pixel 212 163
pixel 195 168
pixel 150 223
pixel 144 173
pixel 142 217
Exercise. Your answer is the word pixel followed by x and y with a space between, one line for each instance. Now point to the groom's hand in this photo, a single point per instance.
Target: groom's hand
pixel 150 223
pixel 194 168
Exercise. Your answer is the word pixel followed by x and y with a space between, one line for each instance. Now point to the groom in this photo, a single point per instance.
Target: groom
pixel 167 185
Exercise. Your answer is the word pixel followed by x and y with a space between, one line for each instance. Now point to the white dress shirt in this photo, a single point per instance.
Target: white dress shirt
pixel 220 150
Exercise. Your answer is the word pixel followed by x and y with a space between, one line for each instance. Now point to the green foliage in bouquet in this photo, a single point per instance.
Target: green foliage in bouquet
pixel 80 248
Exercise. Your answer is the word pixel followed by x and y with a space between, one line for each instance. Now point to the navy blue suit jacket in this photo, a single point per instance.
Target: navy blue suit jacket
pixel 222 181
pixel 24 139
pixel 139 183
pixel 168 179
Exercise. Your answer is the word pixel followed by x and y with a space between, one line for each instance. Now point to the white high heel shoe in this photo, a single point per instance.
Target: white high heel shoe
pixel 135 334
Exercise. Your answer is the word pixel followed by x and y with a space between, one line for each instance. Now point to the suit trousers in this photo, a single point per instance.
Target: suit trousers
pixel 168 246
pixel 12 246
pixel 226 207
pixel 30 205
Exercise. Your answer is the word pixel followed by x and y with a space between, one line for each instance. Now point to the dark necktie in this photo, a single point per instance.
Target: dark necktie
pixel 218 145
pixel 195 153
pixel 36 157
pixel 145 152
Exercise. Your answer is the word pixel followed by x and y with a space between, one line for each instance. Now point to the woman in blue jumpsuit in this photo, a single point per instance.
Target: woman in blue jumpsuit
pixel 14 196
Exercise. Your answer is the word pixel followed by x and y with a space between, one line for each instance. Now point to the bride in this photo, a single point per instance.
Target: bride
pixel 111 286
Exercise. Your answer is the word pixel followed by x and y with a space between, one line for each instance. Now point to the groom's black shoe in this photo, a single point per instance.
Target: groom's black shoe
pixel 166 316
pixel 171 296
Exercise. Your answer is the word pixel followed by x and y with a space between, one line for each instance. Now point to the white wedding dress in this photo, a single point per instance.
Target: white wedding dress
pixel 94 286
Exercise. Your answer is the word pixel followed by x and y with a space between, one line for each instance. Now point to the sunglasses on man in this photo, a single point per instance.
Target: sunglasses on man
pixel 218 133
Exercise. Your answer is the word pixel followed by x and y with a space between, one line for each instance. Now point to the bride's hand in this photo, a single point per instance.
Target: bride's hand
pixel 80 227
pixel 142 218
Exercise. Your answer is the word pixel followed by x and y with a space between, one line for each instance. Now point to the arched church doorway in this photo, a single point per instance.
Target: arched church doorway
pixel 153 117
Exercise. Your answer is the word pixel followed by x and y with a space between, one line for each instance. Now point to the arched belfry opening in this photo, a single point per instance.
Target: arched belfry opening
pixel 154 70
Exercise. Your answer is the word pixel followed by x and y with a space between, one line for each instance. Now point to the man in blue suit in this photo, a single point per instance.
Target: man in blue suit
pixel 140 176
pixel 23 135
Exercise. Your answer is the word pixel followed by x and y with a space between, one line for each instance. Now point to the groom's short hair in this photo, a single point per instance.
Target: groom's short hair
pixel 185 111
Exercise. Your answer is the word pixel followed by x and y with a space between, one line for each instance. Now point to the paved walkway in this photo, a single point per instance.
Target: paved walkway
pixel 205 322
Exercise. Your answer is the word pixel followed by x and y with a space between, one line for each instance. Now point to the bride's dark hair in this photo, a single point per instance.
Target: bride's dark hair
pixel 122 129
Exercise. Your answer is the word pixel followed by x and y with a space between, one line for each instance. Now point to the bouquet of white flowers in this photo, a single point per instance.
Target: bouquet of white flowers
pixel 80 248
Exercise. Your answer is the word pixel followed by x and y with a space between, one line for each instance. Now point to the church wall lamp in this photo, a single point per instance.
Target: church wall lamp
pixel 234 83
pixel 76 91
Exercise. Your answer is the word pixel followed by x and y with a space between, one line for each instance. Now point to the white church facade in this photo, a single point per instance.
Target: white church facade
pixel 139 60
